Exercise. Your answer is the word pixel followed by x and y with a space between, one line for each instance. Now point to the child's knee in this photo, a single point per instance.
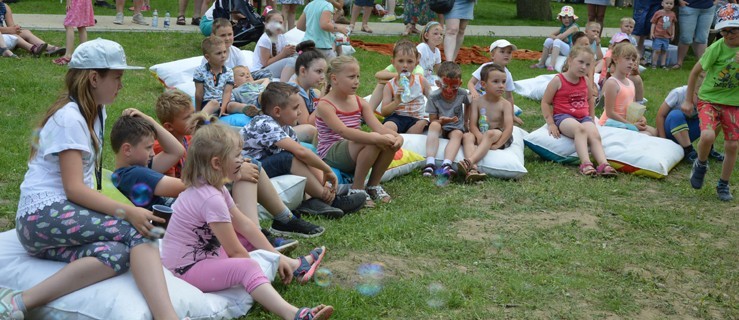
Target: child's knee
pixel 708 136
pixel 435 127
pixel 493 134
pixel 115 255
pixel 731 146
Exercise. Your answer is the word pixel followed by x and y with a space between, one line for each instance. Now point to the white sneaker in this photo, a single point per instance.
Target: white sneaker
pixel 389 18
pixel 118 18
pixel 139 19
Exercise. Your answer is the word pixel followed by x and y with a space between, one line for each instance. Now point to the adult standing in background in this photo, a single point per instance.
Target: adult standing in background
pixel 695 21
pixel 416 12
pixel 456 23
pixel 197 11
pixel 597 11
pixel 366 7
pixel 288 12
pixel 643 12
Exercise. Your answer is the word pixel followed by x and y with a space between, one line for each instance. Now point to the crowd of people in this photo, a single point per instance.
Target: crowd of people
pixel 308 124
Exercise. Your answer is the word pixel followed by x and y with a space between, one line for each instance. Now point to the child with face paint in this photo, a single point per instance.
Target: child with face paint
pixel 403 111
pixel 500 52
pixel 446 108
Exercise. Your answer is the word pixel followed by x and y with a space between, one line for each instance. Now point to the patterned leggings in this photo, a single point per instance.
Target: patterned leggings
pixel 65 232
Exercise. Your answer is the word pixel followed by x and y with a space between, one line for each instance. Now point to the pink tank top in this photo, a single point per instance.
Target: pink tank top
pixel 624 98
pixel 572 98
pixel 326 136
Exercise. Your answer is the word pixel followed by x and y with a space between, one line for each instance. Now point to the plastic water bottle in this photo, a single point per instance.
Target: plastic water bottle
pixel 166 20
pixel 406 84
pixel 482 123
pixel 155 19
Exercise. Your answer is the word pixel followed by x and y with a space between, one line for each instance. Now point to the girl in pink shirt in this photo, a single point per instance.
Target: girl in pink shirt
pixel 208 238
pixel 569 109
pixel 342 143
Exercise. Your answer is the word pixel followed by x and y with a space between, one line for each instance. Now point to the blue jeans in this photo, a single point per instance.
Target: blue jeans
pixel 695 24
pixel 643 12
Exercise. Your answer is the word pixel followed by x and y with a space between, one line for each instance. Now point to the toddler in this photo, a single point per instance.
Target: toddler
pixel 627 27
pixel 402 103
pixel 247 90
pixel 663 31
pixel 431 38
pixel 79 15
pixel 559 42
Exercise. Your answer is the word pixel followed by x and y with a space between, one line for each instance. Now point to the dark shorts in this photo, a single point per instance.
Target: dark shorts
pixel 402 122
pixel 676 122
pixel 558 118
pixel 278 164
pixel 364 3
pixel 507 143
pixel 643 12
pixel 445 133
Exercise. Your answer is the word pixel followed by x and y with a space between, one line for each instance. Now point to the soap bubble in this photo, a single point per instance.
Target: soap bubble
pixel 141 194
pixel 120 214
pixel 371 275
pixel 36 139
pixel 437 294
pixel 443 177
pixel 497 242
pixel 323 277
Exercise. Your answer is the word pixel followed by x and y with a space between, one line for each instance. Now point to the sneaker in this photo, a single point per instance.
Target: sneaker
pixel 118 18
pixel 697 174
pixel 377 193
pixel 280 244
pixel 139 19
pixel 690 157
pixel 296 227
pixel 367 199
pixel 8 309
pixel 317 207
pixel 389 18
pixel 716 155
pixel 724 194
pixel 349 203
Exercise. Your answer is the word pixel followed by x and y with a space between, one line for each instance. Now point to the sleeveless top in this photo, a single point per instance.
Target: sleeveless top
pixel 327 136
pixel 572 98
pixel 624 97
pixel 415 107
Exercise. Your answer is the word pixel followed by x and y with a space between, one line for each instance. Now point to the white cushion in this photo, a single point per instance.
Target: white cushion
pixel 119 297
pixel 533 88
pixel 506 164
pixel 290 188
pixel 627 151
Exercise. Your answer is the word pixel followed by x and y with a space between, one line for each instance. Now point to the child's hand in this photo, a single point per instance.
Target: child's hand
pixel 288 50
pixel 133 112
pixel 330 181
pixel 474 94
pixel 688 108
pixel 553 131
pixel 139 218
pixel 399 94
pixel 398 142
pixel 384 141
pixel 223 112
pixel 641 124
pixel 249 171
pixel 285 271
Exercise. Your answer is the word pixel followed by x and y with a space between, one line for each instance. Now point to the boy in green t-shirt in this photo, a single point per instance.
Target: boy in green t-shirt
pixel 718 105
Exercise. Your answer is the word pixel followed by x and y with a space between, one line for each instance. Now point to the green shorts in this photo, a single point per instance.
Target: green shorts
pixel 338 157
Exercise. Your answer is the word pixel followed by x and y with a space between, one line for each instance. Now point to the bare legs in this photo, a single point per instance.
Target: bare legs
pixel 366 12
pixel 288 11
pixel 475 152
pixel 70 39
pixel 682 51
pixel 453 38
pixel 708 137
pixel 432 142
pixel 585 134
pixel 368 157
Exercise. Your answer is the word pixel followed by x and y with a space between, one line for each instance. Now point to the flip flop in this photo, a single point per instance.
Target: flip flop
pixel 676 67
pixel 305 271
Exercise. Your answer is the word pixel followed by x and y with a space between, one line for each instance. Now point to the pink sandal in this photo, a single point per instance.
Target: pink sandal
pixel 587 169
pixel 305 271
pixel 63 61
pixel 605 170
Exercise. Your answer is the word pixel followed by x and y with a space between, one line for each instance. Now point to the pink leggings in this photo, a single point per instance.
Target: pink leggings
pixel 222 272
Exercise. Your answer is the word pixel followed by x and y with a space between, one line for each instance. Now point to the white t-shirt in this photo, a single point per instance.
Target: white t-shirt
pixel 209 14
pixel 509 86
pixel 265 42
pixel 428 58
pixel 65 130
pixel 235 58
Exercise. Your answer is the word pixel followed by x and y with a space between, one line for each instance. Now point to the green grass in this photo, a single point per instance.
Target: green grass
pixel 487 12
pixel 550 245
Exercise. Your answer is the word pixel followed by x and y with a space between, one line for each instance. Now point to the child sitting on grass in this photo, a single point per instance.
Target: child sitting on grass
pixel 569 109
pixel 402 103
pixel 246 89
pixel 214 81
pixel 270 139
pixel 491 122
pixel 559 42
pixel 310 68
pixel 718 105
pixel 446 108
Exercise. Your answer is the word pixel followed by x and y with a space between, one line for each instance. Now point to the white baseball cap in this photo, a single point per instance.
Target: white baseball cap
pixel 100 54
pixel 728 16
pixel 502 43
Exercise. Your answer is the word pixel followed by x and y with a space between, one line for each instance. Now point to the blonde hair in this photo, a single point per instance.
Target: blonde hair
pixel 211 139
pixel 220 23
pixel 427 28
pixel 627 19
pixel 624 50
pixel 170 104
pixel 335 66
pixel 592 24
pixel 245 68
pixel 78 87
pixel 210 42
pixel 574 52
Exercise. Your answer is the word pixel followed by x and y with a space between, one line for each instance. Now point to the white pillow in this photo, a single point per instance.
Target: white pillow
pixel 179 73
pixel 506 164
pixel 290 188
pixel 560 62
pixel 627 151
pixel 533 88
pixel 119 297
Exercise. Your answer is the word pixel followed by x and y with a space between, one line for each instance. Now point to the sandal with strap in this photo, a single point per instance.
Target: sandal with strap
pixel 587 169
pixel 38 49
pixel 473 176
pixel 181 21
pixel 367 29
pixel 428 170
pixel 321 312
pixel 305 270
pixel 676 66
pixel 463 167
pixel 62 61
pixel 605 170
pixel 12 55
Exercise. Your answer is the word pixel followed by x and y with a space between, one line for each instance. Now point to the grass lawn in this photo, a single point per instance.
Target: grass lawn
pixel 487 12
pixel 550 245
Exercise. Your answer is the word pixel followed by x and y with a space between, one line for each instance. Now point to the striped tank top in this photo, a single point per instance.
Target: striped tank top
pixel 326 136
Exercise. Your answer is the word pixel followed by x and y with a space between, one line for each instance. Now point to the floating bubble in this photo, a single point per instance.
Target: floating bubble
pixel 36 139
pixel 120 214
pixel 323 277
pixel 141 194
pixel 156 233
pixel 437 294
pixel 497 242
pixel 115 179
pixel 443 177
pixel 371 275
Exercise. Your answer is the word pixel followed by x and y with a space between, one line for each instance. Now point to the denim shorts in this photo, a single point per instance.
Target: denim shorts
pixel 402 122
pixel 660 44
pixel 252 160
pixel 278 164
pixel 695 24
pixel 643 12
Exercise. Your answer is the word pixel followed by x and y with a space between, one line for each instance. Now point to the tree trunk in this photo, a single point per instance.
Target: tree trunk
pixel 534 9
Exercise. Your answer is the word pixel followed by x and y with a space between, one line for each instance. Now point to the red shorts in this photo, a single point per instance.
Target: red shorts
pixel 713 115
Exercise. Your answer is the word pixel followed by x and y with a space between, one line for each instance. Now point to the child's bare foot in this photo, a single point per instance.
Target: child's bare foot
pixel 251 110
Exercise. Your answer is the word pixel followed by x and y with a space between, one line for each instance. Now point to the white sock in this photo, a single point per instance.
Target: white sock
pixel 446 161
pixel 430 160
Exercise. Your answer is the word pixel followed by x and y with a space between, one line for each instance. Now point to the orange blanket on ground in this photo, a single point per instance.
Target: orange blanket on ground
pixel 467 55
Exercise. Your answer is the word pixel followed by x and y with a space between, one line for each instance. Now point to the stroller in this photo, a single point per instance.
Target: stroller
pixel 248 28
